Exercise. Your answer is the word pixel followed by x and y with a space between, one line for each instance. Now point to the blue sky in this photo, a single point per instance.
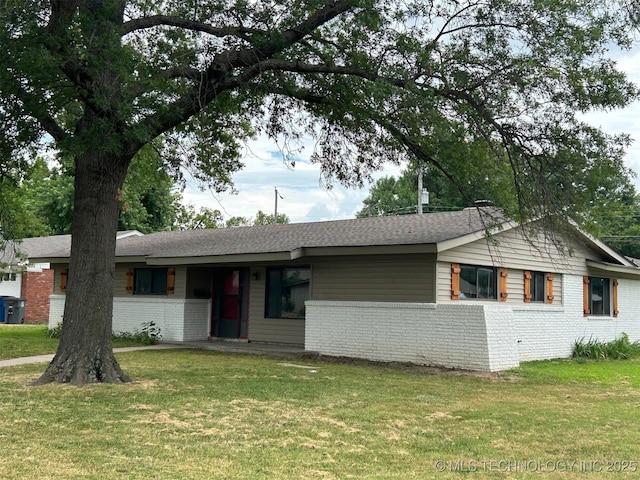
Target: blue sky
pixel 301 195
pixel 304 199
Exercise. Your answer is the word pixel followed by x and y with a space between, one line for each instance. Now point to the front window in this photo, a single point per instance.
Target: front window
pixel 599 296
pixel 287 290
pixel 477 282
pixel 537 286
pixel 150 281
pixel 8 276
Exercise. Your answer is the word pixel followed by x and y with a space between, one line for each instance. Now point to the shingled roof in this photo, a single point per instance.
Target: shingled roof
pixel 44 247
pixel 375 231
pixel 34 248
pixel 430 228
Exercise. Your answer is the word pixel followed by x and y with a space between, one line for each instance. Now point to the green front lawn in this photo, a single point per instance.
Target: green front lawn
pixel 29 340
pixel 25 341
pixel 207 415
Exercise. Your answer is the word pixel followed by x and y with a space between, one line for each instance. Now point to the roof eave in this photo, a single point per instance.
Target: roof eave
pixel 363 250
pixel 609 268
pixel 295 254
pixel 220 259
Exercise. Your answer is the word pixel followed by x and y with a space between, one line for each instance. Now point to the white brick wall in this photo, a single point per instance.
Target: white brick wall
pixel 196 320
pixel 455 336
pixel 489 336
pixel 179 320
pixel 56 310
pixel 544 332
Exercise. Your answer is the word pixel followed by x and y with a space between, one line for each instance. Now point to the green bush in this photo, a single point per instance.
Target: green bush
pixel 55 331
pixel 618 349
pixel 148 335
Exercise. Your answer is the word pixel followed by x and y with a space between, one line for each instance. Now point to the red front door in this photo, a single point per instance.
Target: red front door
pixel 229 312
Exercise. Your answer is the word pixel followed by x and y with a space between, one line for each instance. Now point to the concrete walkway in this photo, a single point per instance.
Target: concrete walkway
pixel 11 362
pixel 219 346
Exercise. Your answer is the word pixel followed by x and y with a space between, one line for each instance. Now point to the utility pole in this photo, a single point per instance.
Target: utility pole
pixel 419 189
pixel 423 195
pixel 275 210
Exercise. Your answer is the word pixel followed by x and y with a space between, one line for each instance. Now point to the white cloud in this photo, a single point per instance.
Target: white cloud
pixel 304 198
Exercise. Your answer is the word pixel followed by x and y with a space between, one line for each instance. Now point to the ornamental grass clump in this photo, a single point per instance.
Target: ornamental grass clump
pixel 618 349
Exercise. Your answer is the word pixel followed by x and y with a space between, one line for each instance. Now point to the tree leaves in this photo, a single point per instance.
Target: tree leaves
pixel 371 81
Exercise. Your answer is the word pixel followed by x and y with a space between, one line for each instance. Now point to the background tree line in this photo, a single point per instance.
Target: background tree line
pixel 39 201
pixel 609 209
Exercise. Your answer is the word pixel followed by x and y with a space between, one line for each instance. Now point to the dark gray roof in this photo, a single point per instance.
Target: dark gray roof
pixel 429 228
pixel 34 248
pixel 45 247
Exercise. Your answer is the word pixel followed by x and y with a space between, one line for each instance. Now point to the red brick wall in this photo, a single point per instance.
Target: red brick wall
pixel 36 288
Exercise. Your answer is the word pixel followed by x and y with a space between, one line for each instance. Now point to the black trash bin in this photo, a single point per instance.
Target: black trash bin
pixel 14 309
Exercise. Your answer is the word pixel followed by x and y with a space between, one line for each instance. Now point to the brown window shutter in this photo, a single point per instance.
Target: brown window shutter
pixel 503 284
pixel 455 281
pixel 527 286
pixel 614 286
pixel 171 281
pixel 550 296
pixel 585 296
pixel 130 281
pixel 63 279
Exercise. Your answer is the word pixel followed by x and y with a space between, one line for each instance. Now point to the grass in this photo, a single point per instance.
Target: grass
pixel 29 340
pixel 25 341
pixel 208 415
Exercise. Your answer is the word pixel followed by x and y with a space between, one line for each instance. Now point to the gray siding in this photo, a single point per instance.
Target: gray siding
pixel 275 330
pixel 384 278
pixel 513 251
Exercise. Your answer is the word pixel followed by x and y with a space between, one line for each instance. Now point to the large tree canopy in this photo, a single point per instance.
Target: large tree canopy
pixel 373 81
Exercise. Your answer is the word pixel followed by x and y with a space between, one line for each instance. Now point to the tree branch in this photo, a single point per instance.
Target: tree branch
pixel 33 106
pixel 299 67
pixel 170 21
pixel 212 81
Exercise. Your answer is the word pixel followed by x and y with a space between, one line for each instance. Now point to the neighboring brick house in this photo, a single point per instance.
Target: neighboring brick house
pixel 37 286
pixel 429 289
pixel 33 282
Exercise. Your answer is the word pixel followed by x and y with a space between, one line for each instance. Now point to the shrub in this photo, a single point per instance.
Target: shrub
pixel 148 335
pixel 618 349
pixel 55 331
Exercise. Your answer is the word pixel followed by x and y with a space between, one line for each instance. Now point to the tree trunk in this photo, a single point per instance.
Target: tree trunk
pixel 85 353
